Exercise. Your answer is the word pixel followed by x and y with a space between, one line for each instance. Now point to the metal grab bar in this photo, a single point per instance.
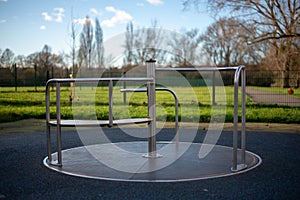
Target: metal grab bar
pixel 162 89
pixel 58 114
pixel 239 72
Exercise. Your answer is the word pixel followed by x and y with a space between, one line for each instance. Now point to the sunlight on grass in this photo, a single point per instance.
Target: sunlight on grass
pixel 92 102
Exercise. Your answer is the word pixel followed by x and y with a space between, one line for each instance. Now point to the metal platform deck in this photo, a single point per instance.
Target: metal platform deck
pixel 125 162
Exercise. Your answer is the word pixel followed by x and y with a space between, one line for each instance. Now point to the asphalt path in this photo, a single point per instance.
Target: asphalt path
pixel 268 97
pixel 23 175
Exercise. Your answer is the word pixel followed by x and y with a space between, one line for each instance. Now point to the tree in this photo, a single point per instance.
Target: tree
pixel 7 58
pixel 185 47
pixel 45 62
pixel 20 60
pixel 275 21
pixel 143 44
pixel 225 44
pixel 0 56
pixel 86 42
pixel 129 35
pixel 73 35
pixel 99 44
pixel 45 59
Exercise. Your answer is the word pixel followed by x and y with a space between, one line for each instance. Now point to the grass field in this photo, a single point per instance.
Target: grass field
pixel 92 103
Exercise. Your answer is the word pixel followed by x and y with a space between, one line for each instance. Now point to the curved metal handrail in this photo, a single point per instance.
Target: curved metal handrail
pixel 161 89
pixel 239 72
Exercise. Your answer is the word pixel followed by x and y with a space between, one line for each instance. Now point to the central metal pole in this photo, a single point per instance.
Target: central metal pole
pixel 151 110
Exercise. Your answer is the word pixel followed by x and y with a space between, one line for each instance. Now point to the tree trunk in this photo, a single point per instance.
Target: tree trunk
pixel 286 79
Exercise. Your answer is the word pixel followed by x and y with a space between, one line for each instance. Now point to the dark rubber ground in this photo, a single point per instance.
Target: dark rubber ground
pixel 23 175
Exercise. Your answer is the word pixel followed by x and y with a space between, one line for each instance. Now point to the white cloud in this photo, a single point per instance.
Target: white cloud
pixel 155 2
pixel 4 0
pixel 47 17
pixel 120 17
pixel 43 27
pixel 83 21
pixel 2 21
pixel 95 11
pixel 57 15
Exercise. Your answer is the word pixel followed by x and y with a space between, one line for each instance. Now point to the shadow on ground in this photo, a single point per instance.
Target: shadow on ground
pixel 23 175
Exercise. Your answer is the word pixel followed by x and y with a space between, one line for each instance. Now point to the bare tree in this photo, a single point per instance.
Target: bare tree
pixel 143 44
pixel 46 61
pixel 86 41
pixel 20 60
pixel 129 35
pixel 275 21
pixel 81 57
pixel 185 47
pixel 0 57
pixel 73 35
pixel 7 58
pixel 99 44
pixel 226 44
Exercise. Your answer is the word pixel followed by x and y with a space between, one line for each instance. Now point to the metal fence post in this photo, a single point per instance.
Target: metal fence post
pixel 214 88
pixel 124 87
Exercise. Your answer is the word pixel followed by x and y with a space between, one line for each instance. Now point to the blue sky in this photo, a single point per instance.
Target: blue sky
pixel 27 25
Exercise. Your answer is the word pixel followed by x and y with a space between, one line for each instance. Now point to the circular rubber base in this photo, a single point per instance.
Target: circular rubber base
pixel 125 162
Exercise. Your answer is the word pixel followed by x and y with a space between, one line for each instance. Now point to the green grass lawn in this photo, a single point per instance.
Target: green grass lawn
pixel 92 103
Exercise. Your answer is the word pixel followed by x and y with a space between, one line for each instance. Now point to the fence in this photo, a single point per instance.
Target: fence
pixel 266 83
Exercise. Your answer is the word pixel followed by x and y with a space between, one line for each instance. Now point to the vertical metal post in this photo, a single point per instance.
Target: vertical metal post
pixel 243 137
pixel 110 103
pixel 49 151
pixel 58 118
pixel 214 88
pixel 235 124
pixel 241 166
pixel 176 118
pixel 151 109
pixel 124 87
pixel 16 76
pixel 35 69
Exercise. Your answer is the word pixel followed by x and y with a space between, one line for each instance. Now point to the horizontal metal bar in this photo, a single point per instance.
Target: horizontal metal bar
pixel 94 123
pixel 70 80
pixel 200 69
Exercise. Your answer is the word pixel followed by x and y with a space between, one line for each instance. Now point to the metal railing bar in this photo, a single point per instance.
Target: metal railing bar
pixel 199 69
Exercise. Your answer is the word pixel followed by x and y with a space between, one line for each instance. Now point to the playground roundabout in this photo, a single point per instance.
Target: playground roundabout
pixel 151 160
